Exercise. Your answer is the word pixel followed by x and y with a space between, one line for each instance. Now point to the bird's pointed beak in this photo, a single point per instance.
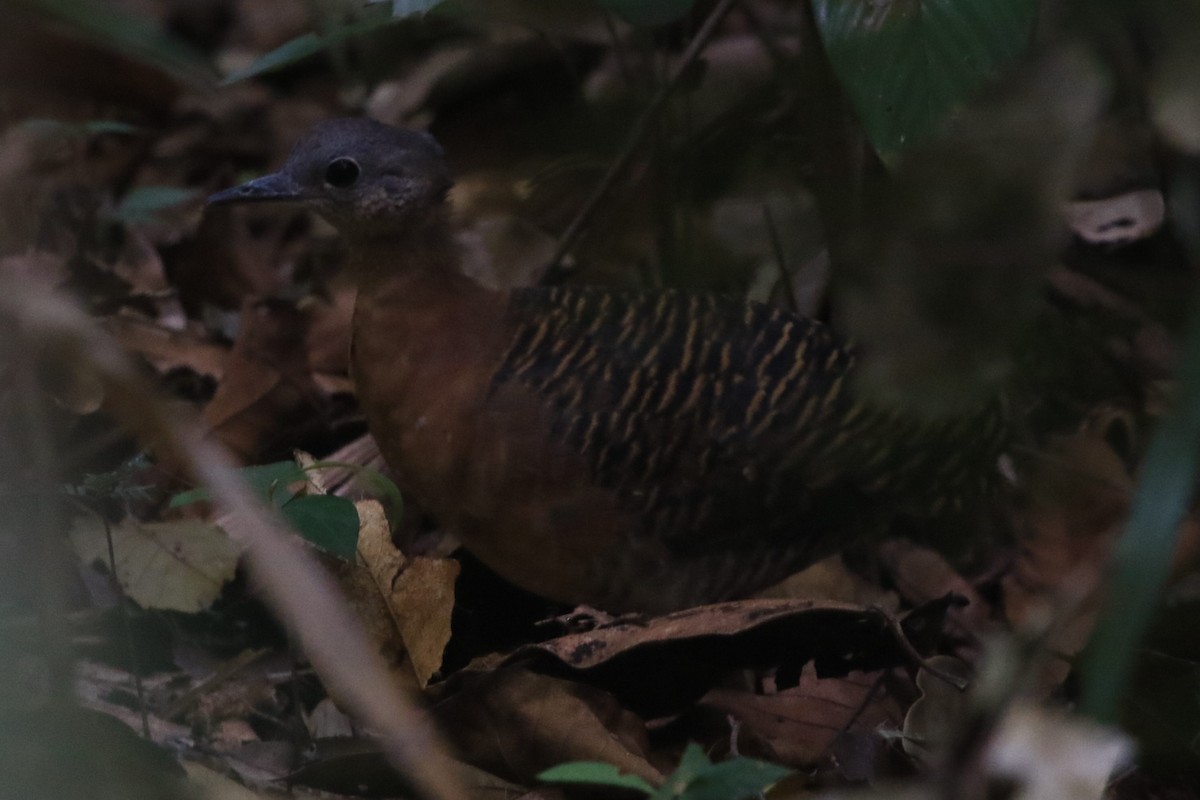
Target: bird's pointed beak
pixel 276 187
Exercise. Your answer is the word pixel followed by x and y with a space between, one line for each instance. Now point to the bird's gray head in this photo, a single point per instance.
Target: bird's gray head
pixel 365 177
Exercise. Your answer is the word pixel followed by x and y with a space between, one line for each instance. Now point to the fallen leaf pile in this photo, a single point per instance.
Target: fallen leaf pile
pixel 906 660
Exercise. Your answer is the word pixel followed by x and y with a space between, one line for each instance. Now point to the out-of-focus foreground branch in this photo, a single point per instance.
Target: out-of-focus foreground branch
pixel 50 327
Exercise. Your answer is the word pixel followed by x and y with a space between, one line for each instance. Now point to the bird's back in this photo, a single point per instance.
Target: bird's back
pixel 730 430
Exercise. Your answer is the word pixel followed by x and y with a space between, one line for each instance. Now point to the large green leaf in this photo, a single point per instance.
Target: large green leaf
pixel 372 19
pixel 133 35
pixel 906 64
pixel 331 523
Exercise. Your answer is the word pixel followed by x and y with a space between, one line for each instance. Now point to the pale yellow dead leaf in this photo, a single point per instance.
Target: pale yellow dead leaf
pixel 178 566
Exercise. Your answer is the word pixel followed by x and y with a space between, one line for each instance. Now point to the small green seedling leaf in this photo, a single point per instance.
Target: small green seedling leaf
pixel 54 127
pixel 264 479
pixel 330 523
pixel 100 126
pixel 402 9
pixel 375 482
pixel 142 204
pixel 310 44
pixel 738 777
pixel 696 778
pixel 596 773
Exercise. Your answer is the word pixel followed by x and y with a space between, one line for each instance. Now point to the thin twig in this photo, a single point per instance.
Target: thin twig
pixel 637 134
pixel 897 630
pixel 618 47
pixel 223 673
pixel 135 665
pixel 785 277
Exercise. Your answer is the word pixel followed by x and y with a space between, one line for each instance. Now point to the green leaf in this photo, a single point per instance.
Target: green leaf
pixel 132 35
pixel 697 778
pixel 309 44
pixel 142 204
pixel 906 64
pixel 263 479
pixel 267 479
pixel 331 523
pixel 99 126
pixel 376 482
pixel 54 127
pixel 737 778
pixel 649 13
pixel 594 772
pixel 409 8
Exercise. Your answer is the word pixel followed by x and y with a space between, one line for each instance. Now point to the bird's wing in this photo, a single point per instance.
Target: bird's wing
pixel 707 415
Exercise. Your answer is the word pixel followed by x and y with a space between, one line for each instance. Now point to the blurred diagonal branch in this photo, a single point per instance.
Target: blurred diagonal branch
pixel 295 586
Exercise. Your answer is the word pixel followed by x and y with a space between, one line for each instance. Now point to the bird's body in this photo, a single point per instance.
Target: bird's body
pixel 635 451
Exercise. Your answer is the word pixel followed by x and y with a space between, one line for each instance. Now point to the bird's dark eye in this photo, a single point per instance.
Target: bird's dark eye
pixel 342 172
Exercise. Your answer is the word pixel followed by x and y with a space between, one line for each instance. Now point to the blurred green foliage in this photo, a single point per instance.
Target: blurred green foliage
pixel 907 64
pixel 696 778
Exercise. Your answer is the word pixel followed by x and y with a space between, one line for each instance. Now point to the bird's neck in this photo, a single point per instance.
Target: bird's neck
pixel 413 295
pixel 423 335
pixel 414 250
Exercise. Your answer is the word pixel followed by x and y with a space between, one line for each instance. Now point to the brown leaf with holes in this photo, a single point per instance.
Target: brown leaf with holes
pixel 804 725
pixel 921 575
pixel 659 666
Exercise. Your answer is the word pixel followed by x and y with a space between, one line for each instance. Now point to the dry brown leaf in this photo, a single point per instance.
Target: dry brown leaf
pixel 267 385
pixel 659 666
pixel 418 592
pixel 830 580
pixel 800 726
pixel 167 349
pixel 1078 499
pixel 237 254
pixel 515 723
